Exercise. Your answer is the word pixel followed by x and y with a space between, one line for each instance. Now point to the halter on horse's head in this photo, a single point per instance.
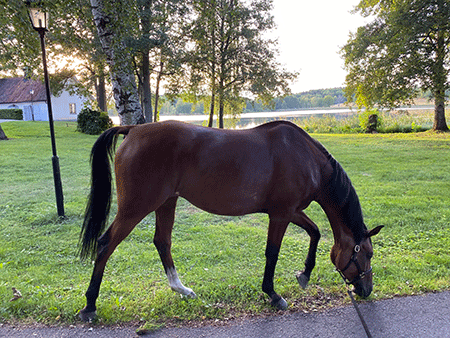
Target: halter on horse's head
pixel 353 263
pixel 352 251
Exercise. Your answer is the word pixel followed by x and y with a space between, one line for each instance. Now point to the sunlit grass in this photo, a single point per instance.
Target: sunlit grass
pixel 402 180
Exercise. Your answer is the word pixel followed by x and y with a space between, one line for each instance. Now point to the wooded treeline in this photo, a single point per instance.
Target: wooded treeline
pixel 320 98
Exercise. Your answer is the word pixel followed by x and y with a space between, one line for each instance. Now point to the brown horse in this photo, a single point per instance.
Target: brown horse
pixel 275 168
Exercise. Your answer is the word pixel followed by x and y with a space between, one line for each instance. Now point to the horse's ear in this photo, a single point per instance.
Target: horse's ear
pixel 375 231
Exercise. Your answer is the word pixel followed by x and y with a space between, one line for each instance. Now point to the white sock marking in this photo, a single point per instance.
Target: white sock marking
pixel 176 285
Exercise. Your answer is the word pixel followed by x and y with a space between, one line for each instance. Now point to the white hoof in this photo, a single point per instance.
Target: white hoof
pixel 176 285
pixel 186 292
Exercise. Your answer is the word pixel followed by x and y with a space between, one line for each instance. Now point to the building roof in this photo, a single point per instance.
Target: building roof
pixel 17 90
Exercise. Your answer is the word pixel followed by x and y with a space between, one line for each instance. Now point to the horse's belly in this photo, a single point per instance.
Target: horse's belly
pixel 226 196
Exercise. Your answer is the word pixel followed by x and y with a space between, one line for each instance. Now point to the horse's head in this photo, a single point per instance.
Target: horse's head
pixel 352 260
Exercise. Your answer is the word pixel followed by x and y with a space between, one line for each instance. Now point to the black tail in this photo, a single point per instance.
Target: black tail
pixel 99 203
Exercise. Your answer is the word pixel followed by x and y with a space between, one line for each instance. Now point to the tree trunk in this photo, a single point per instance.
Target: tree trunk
pixel 221 105
pixel 101 93
pixel 2 134
pixel 211 110
pixel 213 76
pixel 221 108
pixel 221 93
pixel 120 64
pixel 158 83
pixel 439 123
pixel 440 78
pixel 147 93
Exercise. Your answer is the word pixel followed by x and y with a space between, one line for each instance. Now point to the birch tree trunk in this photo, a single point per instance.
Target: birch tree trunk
pixel 119 60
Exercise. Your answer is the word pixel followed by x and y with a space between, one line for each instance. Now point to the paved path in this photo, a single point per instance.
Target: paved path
pixel 410 317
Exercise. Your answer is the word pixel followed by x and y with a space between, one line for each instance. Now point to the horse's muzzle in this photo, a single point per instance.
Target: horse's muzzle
pixel 363 291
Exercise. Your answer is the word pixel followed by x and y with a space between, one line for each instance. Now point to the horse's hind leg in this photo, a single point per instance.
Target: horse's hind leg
pixel 107 243
pixel 165 216
pixel 277 229
pixel 304 222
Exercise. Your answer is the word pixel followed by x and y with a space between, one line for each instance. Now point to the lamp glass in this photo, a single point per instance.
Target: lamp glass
pixel 39 18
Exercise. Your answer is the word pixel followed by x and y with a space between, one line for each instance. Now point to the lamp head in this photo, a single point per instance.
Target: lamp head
pixel 38 16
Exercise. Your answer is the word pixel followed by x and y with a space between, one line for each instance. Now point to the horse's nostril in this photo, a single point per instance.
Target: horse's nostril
pixel 362 291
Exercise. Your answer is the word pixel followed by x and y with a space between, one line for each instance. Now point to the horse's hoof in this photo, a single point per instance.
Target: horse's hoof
pixel 86 316
pixel 281 304
pixel 184 292
pixel 302 279
pixel 190 294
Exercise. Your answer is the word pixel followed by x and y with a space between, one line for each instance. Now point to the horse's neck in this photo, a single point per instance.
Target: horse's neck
pixel 335 217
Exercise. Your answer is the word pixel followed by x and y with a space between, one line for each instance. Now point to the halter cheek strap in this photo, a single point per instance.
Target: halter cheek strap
pixel 361 272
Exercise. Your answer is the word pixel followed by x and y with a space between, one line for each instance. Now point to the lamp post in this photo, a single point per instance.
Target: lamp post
pixel 39 20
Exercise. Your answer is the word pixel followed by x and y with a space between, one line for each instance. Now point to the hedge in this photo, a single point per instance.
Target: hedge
pixel 11 114
pixel 93 122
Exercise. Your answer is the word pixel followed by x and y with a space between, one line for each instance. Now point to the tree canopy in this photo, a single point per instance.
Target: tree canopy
pixel 214 47
pixel 404 49
pixel 230 57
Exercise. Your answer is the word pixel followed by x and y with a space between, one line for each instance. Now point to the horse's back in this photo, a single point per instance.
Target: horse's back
pixel 222 171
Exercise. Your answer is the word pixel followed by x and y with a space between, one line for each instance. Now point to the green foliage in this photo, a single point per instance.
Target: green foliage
pixel 231 56
pixel 11 114
pixel 365 121
pixel 93 122
pixel 403 49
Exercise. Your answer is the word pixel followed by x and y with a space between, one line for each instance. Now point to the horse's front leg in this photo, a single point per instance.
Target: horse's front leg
pixel 165 216
pixel 277 229
pixel 304 222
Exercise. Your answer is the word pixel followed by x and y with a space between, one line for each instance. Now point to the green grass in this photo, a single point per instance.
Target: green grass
pixel 403 182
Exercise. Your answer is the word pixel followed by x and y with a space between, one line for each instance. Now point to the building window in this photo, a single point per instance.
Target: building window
pixel 72 108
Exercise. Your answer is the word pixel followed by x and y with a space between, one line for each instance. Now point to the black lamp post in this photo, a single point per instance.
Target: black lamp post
pixel 39 20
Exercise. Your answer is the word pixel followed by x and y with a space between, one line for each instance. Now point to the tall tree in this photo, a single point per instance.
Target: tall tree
pixel 109 17
pixel 404 49
pixel 152 41
pixel 231 56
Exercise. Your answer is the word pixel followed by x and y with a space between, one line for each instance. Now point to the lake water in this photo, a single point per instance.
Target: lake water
pixel 249 120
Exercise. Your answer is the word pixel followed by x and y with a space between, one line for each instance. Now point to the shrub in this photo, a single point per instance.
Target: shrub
pixel 11 114
pixel 93 122
pixel 370 120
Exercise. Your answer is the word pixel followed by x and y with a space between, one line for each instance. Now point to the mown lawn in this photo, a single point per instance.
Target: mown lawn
pixel 403 182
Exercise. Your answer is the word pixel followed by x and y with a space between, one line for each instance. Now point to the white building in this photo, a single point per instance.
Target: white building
pixel 29 95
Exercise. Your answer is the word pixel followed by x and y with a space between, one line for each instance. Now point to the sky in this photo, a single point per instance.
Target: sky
pixel 310 35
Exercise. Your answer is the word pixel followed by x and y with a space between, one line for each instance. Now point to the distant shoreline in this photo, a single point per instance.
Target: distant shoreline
pixel 273 114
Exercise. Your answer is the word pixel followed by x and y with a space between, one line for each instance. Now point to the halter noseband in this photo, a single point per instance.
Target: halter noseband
pixel 361 273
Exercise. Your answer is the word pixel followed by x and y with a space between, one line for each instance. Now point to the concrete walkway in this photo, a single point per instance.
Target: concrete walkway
pixel 425 316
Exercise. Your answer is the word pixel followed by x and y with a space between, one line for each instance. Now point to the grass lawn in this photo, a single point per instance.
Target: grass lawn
pixel 403 181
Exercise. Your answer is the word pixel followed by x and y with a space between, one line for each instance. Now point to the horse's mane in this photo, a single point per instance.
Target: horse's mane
pixel 339 189
pixel 343 194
